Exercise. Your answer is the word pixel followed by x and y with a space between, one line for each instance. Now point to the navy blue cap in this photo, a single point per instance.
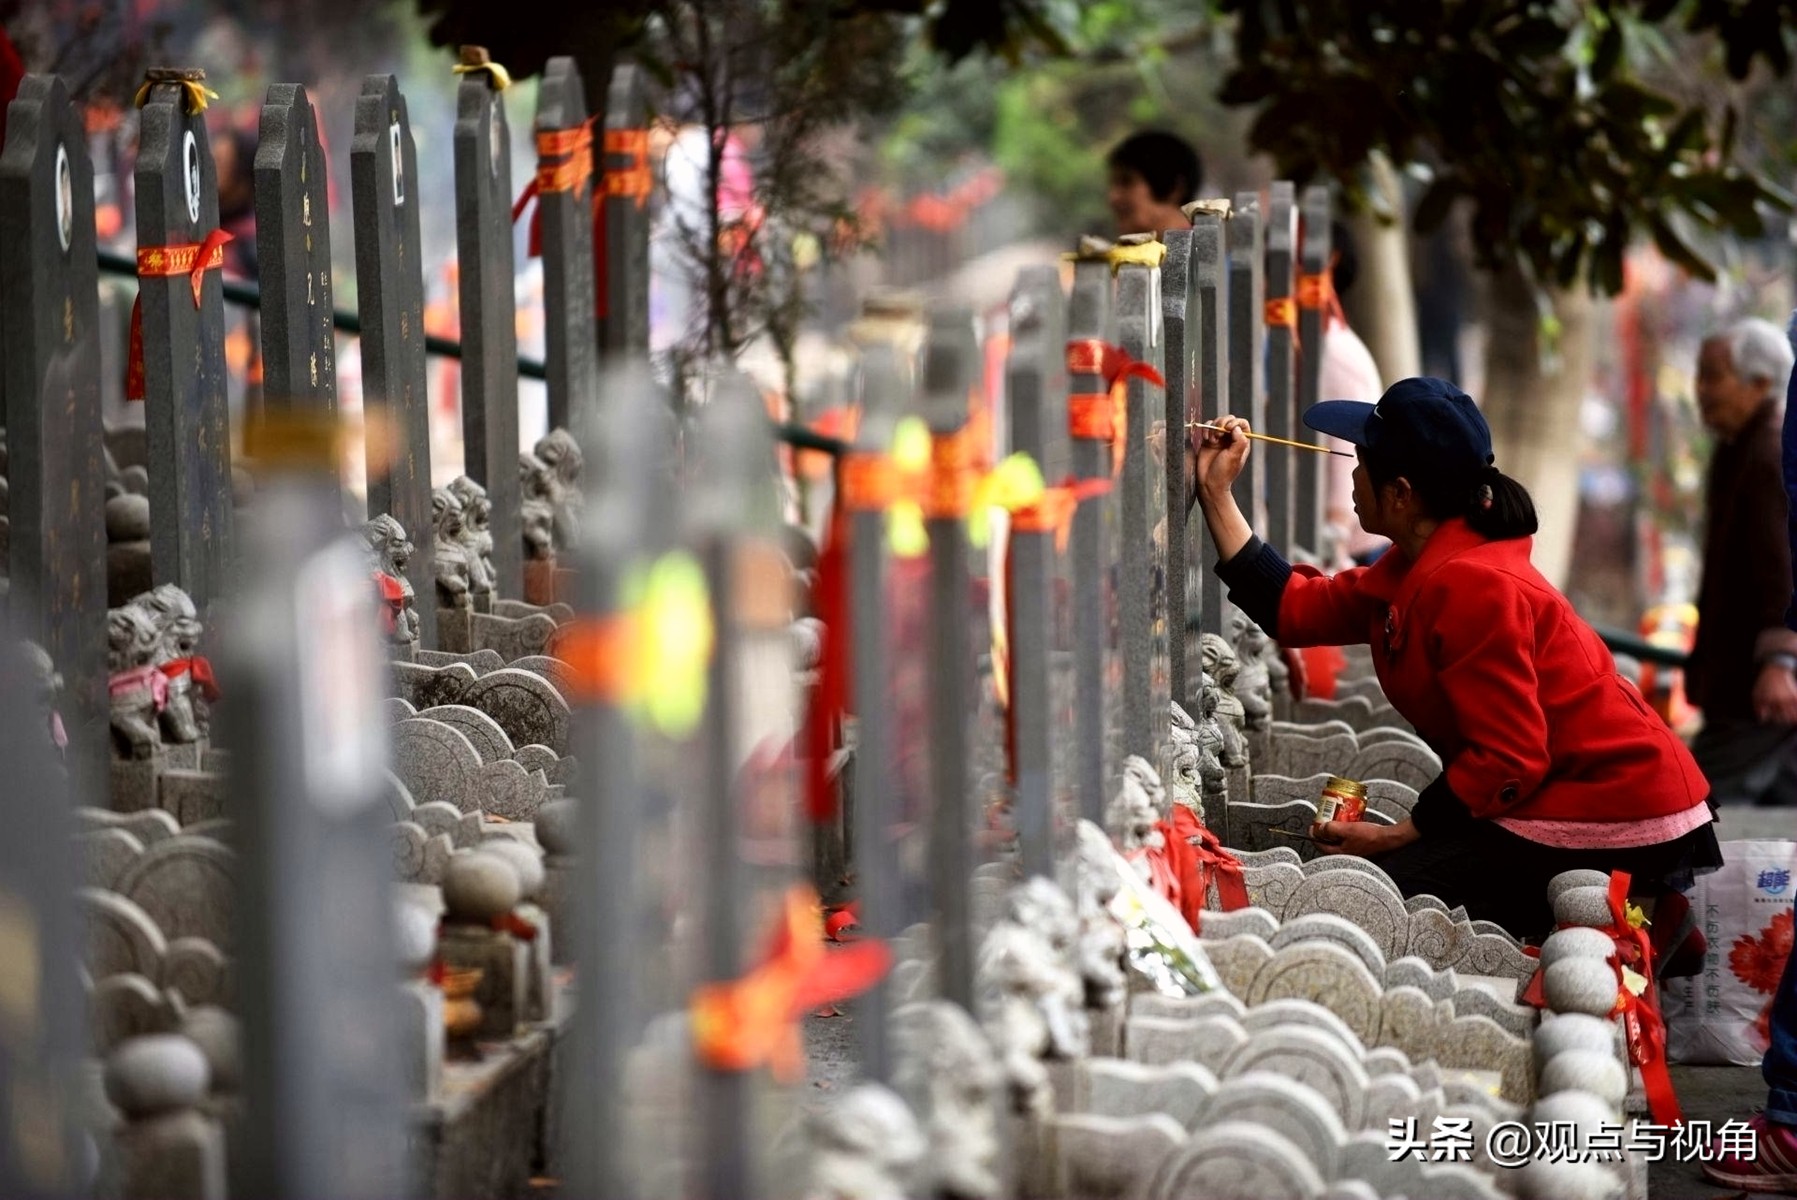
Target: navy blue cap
pixel 1423 421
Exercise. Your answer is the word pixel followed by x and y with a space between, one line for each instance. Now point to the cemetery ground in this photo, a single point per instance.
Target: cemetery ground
pixel 492 855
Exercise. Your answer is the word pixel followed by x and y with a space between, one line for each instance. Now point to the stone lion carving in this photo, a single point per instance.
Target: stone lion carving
pixel 560 484
pixel 538 514
pixel 1032 999
pixel 392 553
pixel 1253 682
pixel 449 556
pixel 185 718
pixel 865 1146
pixel 477 537
pixel 1219 661
pixel 947 1072
pixel 1133 814
pixel 137 689
pixel 1102 940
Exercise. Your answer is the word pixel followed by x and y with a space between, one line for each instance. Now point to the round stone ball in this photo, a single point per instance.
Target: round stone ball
pixel 1583 906
pixel 1539 1179
pixel 1571 879
pixel 1573 1031
pixel 1580 941
pixel 1596 1071
pixel 157 1073
pixel 557 822
pixel 478 886
pixel 216 1033
pixel 1580 985
pixel 128 518
pixel 525 860
pixel 415 932
pixel 1584 1111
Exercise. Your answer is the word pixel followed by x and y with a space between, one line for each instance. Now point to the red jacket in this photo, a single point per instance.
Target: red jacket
pixel 1490 663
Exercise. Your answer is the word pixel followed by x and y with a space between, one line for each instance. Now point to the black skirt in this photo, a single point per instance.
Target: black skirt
pixel 1500 876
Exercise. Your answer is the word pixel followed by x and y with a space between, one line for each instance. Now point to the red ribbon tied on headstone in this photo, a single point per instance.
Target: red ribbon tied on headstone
pixel 1104 416
pixel 1640 1014
pixel 393 601
pixel 193 260
pixel 200 669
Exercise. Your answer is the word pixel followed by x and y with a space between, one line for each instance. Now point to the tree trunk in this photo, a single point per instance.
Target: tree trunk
pixel 1533 407
pixel 1381 306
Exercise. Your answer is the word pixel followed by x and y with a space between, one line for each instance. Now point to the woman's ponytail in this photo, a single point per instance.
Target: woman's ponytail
pixel 1500 508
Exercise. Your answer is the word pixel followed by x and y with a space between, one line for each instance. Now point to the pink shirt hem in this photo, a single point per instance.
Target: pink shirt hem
pixel 1584 835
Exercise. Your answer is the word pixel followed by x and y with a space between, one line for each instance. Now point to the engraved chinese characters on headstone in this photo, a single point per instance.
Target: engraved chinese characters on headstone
pixel 1089 327
pixel 293 255
pixel 483 185
pixel 185 405
pixel 626 184
pixel 390 298
pixel 49 317
pixel 565 219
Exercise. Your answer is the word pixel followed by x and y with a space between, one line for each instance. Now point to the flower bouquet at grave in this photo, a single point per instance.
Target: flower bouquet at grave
pixel 1161 947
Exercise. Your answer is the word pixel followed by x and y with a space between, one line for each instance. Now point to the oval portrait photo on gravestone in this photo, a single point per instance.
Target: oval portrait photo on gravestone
pixel 190 162
pixel 399 165
pixel 65 198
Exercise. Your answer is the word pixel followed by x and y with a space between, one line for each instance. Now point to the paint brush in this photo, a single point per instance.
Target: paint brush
pixel 1267 437
pixel 1301 837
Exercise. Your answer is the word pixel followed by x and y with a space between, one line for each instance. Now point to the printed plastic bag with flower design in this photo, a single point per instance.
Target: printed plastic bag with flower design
pixel 1744 910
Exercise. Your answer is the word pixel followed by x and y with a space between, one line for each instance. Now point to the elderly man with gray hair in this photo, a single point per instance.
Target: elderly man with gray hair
pixel 1743 668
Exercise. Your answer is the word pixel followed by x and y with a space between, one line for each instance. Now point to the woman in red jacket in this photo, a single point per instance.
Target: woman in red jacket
pixel 1553 760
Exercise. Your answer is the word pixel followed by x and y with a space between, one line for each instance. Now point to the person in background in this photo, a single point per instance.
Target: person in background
pixel 1152 175
pixel 234 158
pixel 1348 371
pixel 1773 1166
pixel 1743 668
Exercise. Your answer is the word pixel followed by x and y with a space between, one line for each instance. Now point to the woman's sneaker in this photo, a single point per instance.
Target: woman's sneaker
pixel 1773 1167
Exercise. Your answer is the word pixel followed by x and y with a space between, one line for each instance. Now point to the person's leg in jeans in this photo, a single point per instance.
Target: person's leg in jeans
pixel 1774 1165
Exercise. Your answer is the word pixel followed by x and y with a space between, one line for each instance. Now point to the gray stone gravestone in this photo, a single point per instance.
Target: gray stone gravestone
pixel 1210 258
pixel 483 732
pixel 483 175
pixel 950 368
pixel 885 396
pixel 1179 358
pixel 185 405
pixel 324 1067
pixel 55 552
pixel 600 833
pixel 1281 321
pixel 185 885
pixel 1145 583
pixel 1030 386
pixel 293 255
pixel 1313 324
pixel 41 1041
pixel 1090 323
pixel 384 183
pixel 565 220
pixel 625 185
pixel 1247 343
pixel 526 706
pixel 436 763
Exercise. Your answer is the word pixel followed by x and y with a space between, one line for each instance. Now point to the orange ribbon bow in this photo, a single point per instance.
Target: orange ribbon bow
pixel 753 1021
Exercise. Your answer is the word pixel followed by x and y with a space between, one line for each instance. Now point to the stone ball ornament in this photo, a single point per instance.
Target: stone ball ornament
pixel 1575 879
pixel 1596 1071
pixel 524 860
pixel 478 886
pixel 557 823
pixel 1585 905
pixel 156 1073
pixel 1571 1031
pixel 1581 985
pixel 1579 941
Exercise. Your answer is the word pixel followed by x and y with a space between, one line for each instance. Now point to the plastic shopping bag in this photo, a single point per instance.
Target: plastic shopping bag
pixel 1744 910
